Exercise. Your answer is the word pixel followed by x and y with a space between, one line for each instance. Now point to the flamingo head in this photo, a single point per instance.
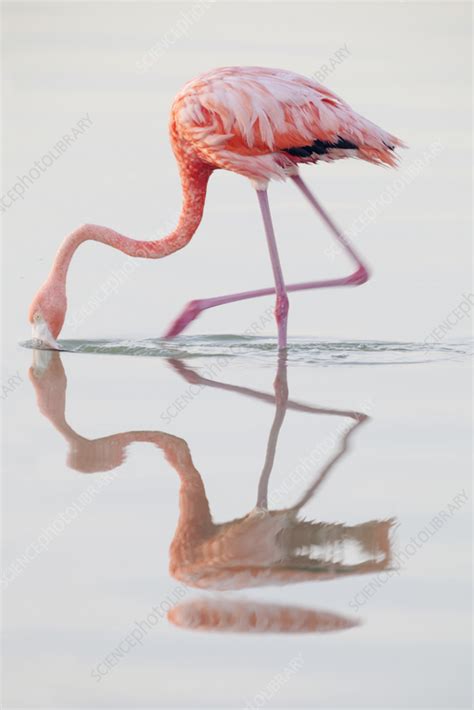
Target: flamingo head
pixel 46 315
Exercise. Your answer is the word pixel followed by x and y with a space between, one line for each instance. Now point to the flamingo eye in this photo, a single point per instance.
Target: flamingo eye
pixel 37 316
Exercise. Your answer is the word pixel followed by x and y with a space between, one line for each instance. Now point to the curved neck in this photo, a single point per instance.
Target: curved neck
pixel 194 179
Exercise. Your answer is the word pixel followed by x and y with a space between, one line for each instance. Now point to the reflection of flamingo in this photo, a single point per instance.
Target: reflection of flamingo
pixel 240 616
pixel 226 556
pixel 85 455
pixel 265 547
pixel 260 123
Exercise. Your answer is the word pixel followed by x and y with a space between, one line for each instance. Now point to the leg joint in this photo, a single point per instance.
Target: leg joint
pixel 282 306
pixel 359 277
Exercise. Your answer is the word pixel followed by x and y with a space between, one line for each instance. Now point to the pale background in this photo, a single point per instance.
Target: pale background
pixel 408 71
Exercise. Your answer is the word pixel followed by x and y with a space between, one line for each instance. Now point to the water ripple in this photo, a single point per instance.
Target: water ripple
pixel 306 351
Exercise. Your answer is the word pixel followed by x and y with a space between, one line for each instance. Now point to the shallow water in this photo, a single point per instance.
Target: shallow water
pixel 305 351
pixel 204 516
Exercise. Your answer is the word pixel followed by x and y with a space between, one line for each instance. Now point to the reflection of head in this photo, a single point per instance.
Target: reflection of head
pixel 85 455
pixel 92 456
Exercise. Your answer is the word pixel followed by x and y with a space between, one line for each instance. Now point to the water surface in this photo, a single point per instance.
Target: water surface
pixel 206 516
pixel 305 351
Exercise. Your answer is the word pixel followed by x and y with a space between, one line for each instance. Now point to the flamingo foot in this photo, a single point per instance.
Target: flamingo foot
pixel 190 313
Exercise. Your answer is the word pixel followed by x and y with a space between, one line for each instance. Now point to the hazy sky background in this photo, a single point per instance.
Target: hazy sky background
pixel 408 70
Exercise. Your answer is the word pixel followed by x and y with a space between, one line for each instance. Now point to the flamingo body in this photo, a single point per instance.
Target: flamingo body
pixel 260 123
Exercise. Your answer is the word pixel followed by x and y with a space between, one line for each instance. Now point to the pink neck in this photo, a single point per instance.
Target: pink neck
pixel 194 180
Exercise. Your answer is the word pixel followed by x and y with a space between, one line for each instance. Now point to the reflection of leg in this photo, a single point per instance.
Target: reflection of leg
pixel 329 466
pixel 195 378
pixel 281 400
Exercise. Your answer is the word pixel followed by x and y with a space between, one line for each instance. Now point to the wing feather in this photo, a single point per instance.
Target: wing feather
pixel 242 118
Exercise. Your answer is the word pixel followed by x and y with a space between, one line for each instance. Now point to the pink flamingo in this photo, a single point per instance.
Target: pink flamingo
pixel 260 123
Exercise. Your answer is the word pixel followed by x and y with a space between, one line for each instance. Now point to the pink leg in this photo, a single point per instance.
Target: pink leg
pixel 362 271
pixel 281 307
pixel 360 276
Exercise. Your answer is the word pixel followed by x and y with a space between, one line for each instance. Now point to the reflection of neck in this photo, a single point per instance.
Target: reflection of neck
pixel 49 380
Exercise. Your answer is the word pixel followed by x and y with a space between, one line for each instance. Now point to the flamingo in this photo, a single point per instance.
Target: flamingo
pixel 260 123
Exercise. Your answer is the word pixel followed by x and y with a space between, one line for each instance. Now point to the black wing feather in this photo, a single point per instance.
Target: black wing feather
pixel 320 148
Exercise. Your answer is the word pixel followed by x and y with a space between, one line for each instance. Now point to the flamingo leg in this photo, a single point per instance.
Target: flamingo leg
pixel 281 306
pixel 358 277
pixel 323 474
pixel 362 271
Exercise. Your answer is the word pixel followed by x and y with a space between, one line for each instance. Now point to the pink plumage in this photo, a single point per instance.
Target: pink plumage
pixel 247 119
pixel 261 123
